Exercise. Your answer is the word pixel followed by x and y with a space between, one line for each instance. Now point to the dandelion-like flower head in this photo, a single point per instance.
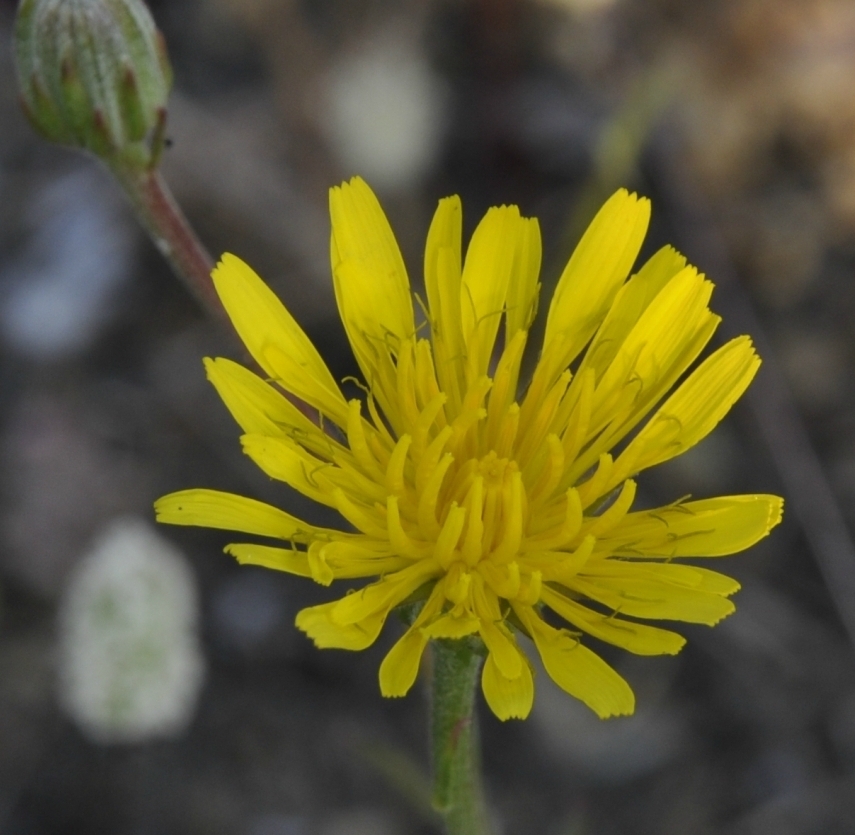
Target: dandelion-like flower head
pixel 504 509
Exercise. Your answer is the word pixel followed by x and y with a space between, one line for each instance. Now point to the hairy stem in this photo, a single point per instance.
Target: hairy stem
pixel 458 794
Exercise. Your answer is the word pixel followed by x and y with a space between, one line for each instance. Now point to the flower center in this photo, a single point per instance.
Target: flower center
pixel 485 502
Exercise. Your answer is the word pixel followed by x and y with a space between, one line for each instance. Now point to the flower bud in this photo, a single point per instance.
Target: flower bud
pixel 94 74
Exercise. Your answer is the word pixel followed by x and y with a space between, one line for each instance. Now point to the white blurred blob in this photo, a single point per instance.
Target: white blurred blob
pixel 130 664
pixel 61 288
pixel 385 112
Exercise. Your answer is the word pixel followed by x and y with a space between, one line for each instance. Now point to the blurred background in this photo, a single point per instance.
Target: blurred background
pixel 149 685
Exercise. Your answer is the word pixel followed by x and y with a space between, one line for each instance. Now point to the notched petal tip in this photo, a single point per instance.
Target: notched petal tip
pixel 508 698
pixel 776 512
pixel 624 710
pixel 727 609
pixel 227 266
pixel 400 668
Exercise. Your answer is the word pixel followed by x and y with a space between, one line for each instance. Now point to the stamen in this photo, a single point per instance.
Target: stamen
pixel 399 539
pixel 428 522
pixel 461 426
pixel 551 473
pixel 378 447
pixel 361 517
pixel 569 529
pixel 602 524
pixel 426 419
pixel 529 592
pixel 476 394
pixel 449 535
pixel 504 580
pixel 504 388
pixel 457 585
pixel 352 480
pixel 508 431
pixel 571 564
pixel 321 572
pixel 395 479
pixel 594 487
pixel 512 513
pixel 457 487
pixel 492 501
pixel 471 411
pixel 425 374
pixel 470 549
pixel 536 425
pixel 430 458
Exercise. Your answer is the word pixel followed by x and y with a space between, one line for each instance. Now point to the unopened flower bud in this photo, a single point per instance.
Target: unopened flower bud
pixel 94 74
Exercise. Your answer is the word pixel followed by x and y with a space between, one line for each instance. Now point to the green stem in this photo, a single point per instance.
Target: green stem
pixel 171 233
pixel 458 794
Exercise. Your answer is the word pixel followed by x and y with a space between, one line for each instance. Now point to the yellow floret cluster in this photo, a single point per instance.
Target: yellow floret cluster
pixel 488 501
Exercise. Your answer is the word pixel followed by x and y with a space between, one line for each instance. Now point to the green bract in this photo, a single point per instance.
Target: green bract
pixel 94 74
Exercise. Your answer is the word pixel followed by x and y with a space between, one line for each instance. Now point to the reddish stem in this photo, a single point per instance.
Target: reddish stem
pixel 173 235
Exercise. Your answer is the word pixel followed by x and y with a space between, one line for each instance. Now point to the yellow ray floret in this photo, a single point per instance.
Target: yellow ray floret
pixel 481 501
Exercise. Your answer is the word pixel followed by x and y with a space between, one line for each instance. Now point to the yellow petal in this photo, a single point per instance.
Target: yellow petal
pixel 635 637
pixel 640 597
pixel 695 409
pixel 343 560
pixel 362 235
pixel 442 283
pixel 401 664
pixel 318 566
pixel 660 346
pixel 360 557
pixel 371 284
pixel 707 528
pixel 665 341
pixel 385 593
pixel 689 576
pixel 260 409
pixel 491 258
pixel 452 626
pixel 503 648
pixel 597 268
pixel 286 461
pixel 497 637
pixel 327 634
pixel 508 698
pixel 279 559
pixel 275 340
pixel 577 670
pixel 523 287
pixel 630 303
pixel 215 509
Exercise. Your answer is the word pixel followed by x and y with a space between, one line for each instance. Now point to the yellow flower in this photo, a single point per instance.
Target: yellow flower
pixel 490 502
